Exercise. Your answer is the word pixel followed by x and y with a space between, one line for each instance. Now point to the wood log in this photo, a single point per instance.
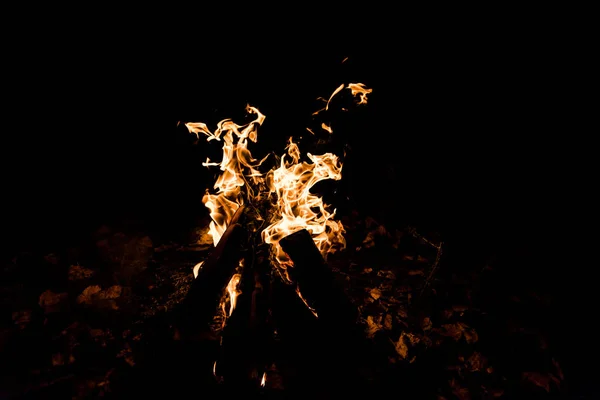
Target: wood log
pixel 316 282
pixel 335 353
pixel 247 337
pixel 202 300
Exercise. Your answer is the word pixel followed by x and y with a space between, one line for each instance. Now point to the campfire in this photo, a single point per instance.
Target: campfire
pixel 265 255
pixel 268 228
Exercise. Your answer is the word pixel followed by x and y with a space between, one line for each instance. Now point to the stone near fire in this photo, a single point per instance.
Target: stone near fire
pixel 53 302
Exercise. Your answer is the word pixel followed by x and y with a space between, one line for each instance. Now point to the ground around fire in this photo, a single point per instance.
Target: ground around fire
pixel 94 318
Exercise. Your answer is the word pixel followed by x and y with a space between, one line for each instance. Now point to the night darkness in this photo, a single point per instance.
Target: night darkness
pixel 456 130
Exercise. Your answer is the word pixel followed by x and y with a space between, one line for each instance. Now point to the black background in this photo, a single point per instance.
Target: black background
pixel 475 120
pixel 465 118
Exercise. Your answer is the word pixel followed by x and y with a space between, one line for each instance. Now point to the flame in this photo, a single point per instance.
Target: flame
pixel 237 165
pixel 357 89
pixel 197 268
pixel 215 369
pixel 297 208
pixel 234 292
pixel 360 90
pixel 312 310
pixel 336 91
pixel 263 381
pixel 284 192
pixel 326 127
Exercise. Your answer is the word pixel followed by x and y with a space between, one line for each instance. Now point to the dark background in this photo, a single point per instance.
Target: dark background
pixel 469 128
pixel 460 127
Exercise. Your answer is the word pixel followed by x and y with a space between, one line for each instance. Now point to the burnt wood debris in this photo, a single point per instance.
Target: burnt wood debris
pixel 122 315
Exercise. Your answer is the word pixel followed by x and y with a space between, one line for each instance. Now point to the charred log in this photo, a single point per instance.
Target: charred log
pixel 247 336
pixel 337 350
pixel 317 284
pixel 205 293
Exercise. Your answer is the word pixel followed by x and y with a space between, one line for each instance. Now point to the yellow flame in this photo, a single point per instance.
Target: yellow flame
pixel 326 127
pixel 234 292
pixel 312 310
pixel 287 187
pixel 359 89
pixel 197 268
pixel 263 381
pixel 237 165
pixel 297 208
pixel 336 91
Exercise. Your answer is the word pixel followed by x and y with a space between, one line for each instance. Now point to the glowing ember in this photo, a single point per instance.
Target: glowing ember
pixel 312 310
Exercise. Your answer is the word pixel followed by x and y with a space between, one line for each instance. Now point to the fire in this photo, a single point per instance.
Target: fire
pixel 312 310
pixel 238 168
pixel 358 89
pixel 297 208
pixel 326 127
pixel 263 381
pixel 284 192
pixel 197 268
pixel 234 292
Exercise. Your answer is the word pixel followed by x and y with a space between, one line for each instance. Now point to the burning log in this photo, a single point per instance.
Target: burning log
pixel 206 291
pixel 246 337
pixel 341 345
pixel 316 282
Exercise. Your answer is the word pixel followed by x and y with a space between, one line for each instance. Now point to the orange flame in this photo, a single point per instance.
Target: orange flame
pixel 297 208
pixel 234 292
pixel 312 310
pixel 287 186
pixel 360 90
pixel 237 165
pixel 326 127
pixel 197 268
pixel 263 381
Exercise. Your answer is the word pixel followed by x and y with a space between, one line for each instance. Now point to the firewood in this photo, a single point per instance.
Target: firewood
pixel 246 337
pixel 316 282
pixel 202 300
